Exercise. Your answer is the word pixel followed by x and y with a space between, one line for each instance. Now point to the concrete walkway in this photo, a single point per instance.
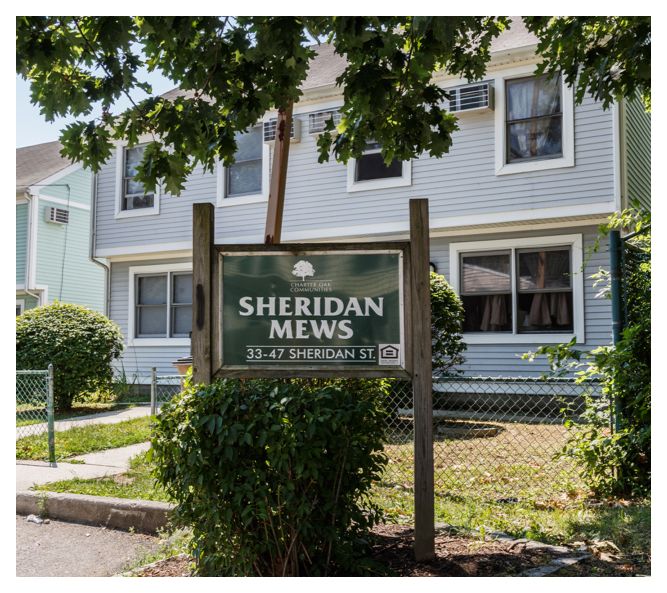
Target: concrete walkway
pixel 96 465
pixel 111 417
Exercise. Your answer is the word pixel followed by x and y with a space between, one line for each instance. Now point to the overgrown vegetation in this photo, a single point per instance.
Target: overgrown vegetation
pixel 274 477
pixel 617 462
pixel 79 342
pixel 86 439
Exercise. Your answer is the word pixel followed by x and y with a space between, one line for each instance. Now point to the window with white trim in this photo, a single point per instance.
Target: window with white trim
pixel 371 172
pixel 534 122
pixel 163 305
pixel 534 118
pixel 134 196
pixel 20 306
pixel 244 177
pixel 521 290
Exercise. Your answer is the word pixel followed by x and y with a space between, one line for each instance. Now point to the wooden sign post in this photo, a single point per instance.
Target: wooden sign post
pixel 312 310
pixel 422 388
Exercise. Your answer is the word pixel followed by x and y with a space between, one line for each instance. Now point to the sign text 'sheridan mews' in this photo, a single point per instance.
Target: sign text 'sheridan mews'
pixel 319 309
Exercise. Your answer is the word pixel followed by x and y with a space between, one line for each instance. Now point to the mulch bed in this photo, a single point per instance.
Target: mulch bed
pixel 457 555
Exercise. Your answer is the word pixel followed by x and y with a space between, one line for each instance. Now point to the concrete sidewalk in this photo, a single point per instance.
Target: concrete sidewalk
pixel 111 417
pixel 102 463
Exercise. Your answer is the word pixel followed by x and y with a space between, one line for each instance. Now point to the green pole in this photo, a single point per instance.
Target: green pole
pixel 50 418
pixel 616 304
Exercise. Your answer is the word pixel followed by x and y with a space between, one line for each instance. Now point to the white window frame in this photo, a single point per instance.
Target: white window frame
pixel 575 242
pixel 135 271
pixel 567 108
pixel 354 186
pixel 221 177
pixel 120 188
pixel 21 304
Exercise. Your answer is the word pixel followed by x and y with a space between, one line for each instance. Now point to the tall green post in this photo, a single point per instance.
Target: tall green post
pixel 50 417
pixel 616 304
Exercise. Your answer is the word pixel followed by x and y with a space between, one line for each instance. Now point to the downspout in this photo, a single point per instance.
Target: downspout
pixel 91 246
pixel 31 245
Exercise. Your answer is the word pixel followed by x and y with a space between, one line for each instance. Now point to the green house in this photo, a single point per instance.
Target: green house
pixel 53 231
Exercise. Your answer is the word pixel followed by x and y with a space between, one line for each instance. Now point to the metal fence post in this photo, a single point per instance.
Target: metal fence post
pixel 153 391
pixel 615 248
pixel 50 417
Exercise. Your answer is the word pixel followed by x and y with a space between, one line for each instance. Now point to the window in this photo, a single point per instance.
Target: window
pixel 247 180
pixel 514 290
pixel 20 306
pixel 534 122
pixel 134 196
pixel 163 305
pixel 534 118
pixel 244 177
pixel 370 171
pixel 131 199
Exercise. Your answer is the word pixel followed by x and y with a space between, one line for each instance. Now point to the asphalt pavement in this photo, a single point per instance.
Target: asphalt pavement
pixel 57 549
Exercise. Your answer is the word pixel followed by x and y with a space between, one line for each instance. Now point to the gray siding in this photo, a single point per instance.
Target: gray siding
pixel 462 183
pixel 139 358
pixel 487 359
pixel 505 359
pixel 637 130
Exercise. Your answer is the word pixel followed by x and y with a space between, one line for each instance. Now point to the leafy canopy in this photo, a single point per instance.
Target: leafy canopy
pixel 232 70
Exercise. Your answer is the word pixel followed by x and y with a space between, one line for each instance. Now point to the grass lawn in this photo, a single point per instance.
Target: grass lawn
pixel 27 415
pixel 86 439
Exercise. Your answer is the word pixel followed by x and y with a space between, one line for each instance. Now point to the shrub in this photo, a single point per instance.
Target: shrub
pixel 80 344
pixel 446 326
pixel 273 477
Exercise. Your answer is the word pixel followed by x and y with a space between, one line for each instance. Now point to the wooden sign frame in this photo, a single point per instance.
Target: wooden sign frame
pixel 417 334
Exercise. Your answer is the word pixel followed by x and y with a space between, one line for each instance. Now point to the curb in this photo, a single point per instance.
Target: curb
pixel 144 516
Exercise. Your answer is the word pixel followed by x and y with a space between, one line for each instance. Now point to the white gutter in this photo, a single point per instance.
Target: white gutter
pixel 91 246
pixel 31 247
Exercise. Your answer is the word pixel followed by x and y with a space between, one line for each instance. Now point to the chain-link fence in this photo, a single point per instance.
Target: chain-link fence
pixel 34 405
pixel 494 438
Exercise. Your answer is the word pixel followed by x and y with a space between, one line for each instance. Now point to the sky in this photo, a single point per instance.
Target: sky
pixel 32 128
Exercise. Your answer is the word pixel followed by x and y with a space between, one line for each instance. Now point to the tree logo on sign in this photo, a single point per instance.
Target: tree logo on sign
pixel 302 269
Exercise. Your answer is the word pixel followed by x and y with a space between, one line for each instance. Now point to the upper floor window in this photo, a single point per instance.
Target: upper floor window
pixel 371 172
pixel 244 177
pixel 131 198
pixel 134 196
pixel 247 180
pixel 534 118
pixel 534 122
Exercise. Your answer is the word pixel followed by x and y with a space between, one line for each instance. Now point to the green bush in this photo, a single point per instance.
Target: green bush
pixel 80 344
pixel 446 326
pixel 273 477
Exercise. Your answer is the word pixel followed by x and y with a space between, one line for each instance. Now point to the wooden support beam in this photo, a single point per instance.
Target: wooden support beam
pixel 202 260
pixel 422 388
pixel 274 213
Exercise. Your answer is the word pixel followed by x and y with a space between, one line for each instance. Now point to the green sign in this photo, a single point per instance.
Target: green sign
pixel 312 310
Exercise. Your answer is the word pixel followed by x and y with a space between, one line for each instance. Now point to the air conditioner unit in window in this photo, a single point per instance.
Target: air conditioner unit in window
pixel 56 215
pixel 317 120
pixel 471 97
pixel 270 130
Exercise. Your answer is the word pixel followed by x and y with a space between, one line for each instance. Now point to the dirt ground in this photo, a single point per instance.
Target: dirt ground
pixel 456 556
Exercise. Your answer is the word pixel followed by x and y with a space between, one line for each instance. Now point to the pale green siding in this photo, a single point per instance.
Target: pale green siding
pixel 62 249
pixel 21 241
pixel 637 153
pixel 29 302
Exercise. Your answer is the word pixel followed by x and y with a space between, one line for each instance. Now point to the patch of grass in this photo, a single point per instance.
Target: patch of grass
pixel 171 544
pixel 86 439
pixel 27 415
pixel 137 482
